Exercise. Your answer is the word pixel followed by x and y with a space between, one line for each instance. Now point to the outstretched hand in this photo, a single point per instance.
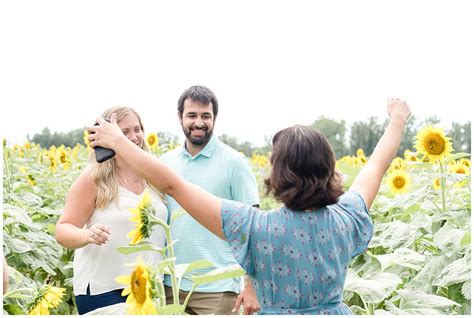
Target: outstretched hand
pixel 105 134
pixel 398 107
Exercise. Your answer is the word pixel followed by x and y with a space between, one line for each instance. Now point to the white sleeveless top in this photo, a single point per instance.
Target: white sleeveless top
pixel 98 266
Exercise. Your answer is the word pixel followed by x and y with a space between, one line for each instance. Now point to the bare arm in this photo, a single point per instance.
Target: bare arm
pixel 5 275
pixel 367 182
pixel 80 203
pixel 203 206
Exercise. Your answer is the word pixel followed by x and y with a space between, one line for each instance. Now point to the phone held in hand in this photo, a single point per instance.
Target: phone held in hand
pixel 103 154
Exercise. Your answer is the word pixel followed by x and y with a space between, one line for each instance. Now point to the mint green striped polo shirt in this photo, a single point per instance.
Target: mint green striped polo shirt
pixel 224 172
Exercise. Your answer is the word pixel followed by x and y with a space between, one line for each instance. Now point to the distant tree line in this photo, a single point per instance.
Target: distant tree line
pixel 365 134
pixel 344 140
pixel 47 139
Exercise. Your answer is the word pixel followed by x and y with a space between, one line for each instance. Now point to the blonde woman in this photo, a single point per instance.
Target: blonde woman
pixel 96 220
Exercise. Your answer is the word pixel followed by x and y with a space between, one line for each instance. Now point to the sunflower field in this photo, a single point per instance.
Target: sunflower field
pixel 418 261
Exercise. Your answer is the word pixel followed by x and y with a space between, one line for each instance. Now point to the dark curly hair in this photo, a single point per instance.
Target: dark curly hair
pixel 303 174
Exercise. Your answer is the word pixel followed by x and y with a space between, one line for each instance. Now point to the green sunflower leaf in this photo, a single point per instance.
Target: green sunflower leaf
pixel 140 247
pixel 218 274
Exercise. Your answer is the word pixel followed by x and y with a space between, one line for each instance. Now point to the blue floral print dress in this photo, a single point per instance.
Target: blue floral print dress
pixel 298 260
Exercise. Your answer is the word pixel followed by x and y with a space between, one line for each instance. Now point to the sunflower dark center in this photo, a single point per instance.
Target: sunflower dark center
pixel 399 182
pixel 460 170
pixel 434 144
pixel 138 283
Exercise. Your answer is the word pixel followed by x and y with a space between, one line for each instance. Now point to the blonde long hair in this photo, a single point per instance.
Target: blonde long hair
pixel 105 174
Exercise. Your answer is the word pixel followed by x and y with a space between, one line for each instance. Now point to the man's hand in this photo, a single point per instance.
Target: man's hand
pixel 247 298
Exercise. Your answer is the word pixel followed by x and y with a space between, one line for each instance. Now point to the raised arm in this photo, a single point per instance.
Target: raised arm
pixel 367 182
pixel 203 206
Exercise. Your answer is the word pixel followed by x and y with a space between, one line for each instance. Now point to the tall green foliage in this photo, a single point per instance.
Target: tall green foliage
pixel 335 131
pixel 46 139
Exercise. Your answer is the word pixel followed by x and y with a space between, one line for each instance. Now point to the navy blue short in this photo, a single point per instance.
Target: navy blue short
pixel 86 303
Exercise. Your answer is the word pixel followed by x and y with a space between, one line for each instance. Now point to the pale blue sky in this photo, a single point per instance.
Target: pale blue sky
pixel 271 63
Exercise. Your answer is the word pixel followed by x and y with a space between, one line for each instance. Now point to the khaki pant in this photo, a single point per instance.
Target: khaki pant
pixel 205 303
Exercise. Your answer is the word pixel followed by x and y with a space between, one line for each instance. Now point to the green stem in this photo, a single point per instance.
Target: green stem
pixel 28 292
pixel 188 296
pixel 365 304
pixel 443 187
pixel 174 283
pixel 7 172
pixel 371 309
pixel 439 209
pixel 161 293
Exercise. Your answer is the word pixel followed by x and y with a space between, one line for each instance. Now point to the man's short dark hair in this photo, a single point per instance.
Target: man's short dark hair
pixel 201 95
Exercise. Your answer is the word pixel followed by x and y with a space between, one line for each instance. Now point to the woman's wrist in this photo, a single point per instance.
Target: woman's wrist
pixel 85 235
pixel 399 117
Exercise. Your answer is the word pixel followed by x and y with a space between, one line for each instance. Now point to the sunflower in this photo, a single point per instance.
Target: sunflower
pixel 433 144
pixel 459 168
pixel 62 155
pixel 466 162
pixel 399 181
pixel 141 216
pixel 360 152
pixel 259 160
pixel 31 180
pixel 152 140
pixel 398 164
pixel 53 164
pixel 48 297
pixel 85 138
pixel 436 184
pixel 139 290
pixel 410 156
pixel 40 309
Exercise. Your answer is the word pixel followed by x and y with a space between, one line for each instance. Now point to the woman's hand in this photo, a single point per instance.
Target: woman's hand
pixel 105 134
pixel 398 107
pixel 97 234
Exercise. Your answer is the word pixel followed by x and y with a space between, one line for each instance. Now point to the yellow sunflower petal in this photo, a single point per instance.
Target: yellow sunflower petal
pixel 135 219
pixel 124 279
pixel 145 200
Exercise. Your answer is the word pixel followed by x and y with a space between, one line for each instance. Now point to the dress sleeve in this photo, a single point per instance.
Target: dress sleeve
pixel 237 223
pixel 361 224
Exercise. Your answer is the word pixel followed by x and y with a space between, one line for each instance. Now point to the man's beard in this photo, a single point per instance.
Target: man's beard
pixel 198 141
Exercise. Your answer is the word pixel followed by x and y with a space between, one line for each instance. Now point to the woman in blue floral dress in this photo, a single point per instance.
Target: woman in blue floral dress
pixel 297 255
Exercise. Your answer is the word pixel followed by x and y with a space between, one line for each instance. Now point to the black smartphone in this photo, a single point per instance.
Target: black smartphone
pixel 103 154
